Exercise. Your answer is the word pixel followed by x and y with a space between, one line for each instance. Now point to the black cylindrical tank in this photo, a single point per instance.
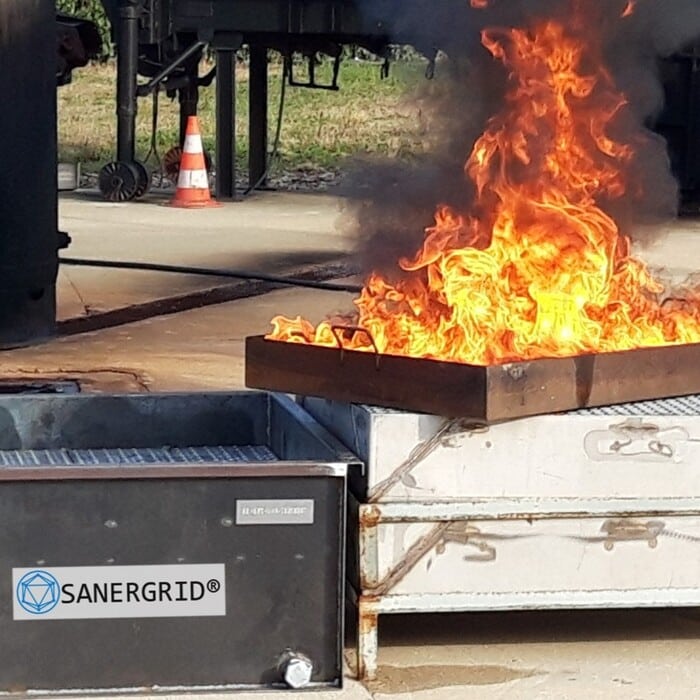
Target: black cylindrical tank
pixel 28 191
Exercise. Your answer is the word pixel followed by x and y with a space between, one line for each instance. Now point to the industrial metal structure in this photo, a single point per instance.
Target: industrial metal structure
pixel 174 541
pixel 241 498
pixel 563 511
pixel 163 41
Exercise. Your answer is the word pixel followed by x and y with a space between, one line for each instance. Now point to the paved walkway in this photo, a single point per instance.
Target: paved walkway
pixel 277 233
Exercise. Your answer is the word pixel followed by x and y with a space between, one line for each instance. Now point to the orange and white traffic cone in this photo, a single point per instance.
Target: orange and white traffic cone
pixel 192 182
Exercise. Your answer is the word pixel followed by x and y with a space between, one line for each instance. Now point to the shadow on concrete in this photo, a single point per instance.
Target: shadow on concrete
pixel 532 627
pixel 160 196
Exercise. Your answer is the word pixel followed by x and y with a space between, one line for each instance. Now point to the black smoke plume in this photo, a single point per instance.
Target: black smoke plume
pixel 391 202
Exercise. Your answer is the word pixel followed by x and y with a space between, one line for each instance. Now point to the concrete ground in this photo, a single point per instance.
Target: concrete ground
pixel 626 655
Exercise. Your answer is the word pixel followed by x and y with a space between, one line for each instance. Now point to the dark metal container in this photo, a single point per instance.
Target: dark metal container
pixel 222 514
pixel 28 206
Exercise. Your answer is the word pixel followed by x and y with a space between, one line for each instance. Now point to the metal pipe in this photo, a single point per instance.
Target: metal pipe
pixel 28 201
pixel 225 124
pixel 151 85
pixel 188 97
pixel 257 122
pixel 209 272
pixel 127 73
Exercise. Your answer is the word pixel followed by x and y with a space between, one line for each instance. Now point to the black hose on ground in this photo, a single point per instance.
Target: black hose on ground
pixel 209 272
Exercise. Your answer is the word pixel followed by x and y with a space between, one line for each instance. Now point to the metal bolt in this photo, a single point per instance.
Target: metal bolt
pixel 227 521
pixel 514 371
pixel 297 672
pixel 111 524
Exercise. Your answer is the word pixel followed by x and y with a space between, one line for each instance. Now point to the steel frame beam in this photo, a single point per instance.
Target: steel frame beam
pixel 257 122
pixel 225 124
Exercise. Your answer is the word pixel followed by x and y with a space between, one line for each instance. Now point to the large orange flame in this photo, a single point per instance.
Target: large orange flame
pixel 537 268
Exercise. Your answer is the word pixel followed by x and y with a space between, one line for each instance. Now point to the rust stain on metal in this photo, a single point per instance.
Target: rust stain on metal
pixel 370 516
pixel 584 368
pixel 623 530
pixel 367 630
pixel 367 613
pixel 468 535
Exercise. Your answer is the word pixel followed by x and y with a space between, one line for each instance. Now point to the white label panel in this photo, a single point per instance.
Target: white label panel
pixel 100 592
pixel 299 511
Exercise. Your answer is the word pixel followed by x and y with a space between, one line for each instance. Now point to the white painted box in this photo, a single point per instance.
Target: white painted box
pixel 548 562
pixel 643 450
pixel 588 509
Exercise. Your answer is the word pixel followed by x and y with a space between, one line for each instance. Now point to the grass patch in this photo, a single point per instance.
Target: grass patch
pixel 320 128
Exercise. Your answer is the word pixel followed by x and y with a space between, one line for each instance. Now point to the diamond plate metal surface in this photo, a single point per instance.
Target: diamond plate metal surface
pixel 162 455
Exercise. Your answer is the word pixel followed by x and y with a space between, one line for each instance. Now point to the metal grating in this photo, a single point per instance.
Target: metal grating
pixel 679 406
pixel 145 455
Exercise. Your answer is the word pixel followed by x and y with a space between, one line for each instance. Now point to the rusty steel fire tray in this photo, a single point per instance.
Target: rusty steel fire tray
pixel 489 394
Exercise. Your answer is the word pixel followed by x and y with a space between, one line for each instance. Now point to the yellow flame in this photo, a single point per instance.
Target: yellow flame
pixel 537 268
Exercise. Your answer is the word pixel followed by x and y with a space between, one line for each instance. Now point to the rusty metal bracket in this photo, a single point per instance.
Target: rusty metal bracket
pixel 617 530
pixel 467 535
pixel 631 530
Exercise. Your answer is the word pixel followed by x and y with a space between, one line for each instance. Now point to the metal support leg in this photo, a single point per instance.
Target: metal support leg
pixel 225 125
pixel 189 100
pixel 367 639
pixel 127 74
pixel 257 109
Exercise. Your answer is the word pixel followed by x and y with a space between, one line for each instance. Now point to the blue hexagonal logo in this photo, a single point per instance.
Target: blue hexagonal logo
pixel 38 592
